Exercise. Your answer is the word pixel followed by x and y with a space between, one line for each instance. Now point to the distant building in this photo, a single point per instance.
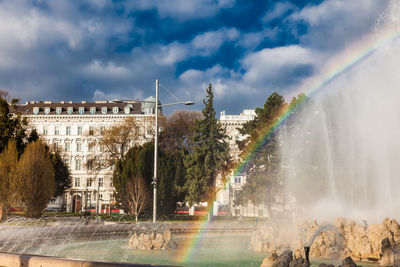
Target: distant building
pixel 232 123
pixel 76 129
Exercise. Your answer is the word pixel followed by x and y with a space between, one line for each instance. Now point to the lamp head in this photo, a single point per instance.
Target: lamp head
pixel 189 103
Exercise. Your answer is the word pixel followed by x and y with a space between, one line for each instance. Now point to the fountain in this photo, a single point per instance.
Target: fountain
pixel 340 152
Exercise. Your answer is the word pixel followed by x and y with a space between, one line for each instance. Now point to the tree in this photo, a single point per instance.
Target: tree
pixel 61 174
pixel 137 195
pixel 8 174
pixel 263 182
pixel 119 138
pixel 178 129
pixel 35 180
pixel 125 170
pixel 208 158
pixel 12 126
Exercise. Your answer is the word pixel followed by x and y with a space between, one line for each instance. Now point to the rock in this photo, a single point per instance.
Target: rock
pixel 348 262
pixel 326 265
pixel 284 260
pixel 299 262
pixel 343 238
pixel 159 239
pixel 269 261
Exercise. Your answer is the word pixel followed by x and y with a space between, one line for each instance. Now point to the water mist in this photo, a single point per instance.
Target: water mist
pixel 341 151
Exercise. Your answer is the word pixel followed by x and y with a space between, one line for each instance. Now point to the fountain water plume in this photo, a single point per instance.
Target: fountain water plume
pixel 341 150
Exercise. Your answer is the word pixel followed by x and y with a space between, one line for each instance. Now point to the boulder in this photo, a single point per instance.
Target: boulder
pixel 159 239
pixel 269 261
pixel 348 262
pixel 284 260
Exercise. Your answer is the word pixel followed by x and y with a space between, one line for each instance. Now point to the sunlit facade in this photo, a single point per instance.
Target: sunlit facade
pixel 75 129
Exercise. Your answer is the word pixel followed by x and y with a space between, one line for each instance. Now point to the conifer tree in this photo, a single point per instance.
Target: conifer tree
pixel 263 182
pixel 209 158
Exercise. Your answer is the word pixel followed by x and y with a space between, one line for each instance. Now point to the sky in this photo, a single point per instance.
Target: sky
pixel 104 50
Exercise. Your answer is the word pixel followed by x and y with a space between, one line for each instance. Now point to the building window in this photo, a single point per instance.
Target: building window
pixel 79 130
pixel 89 182
pixel 68 130
pixel 77 182
pixel 91 146
pixel 91 130
pixel 58 110
pixel 112 196
pixel 55 146
pixel 81 110
pixel 101 182
pixel 67 146
pixel 111 183
pixel 102 130
pixel 56 130
pixel 100 196
pixel 46 111
pixel 70 110
pixel 90 164
pixel 78 164
pixel 92 110
pixel 101 148
pixel 35 110
pixel 78 146
pixel 45 130
pixel 238 180
pixel 115 110
pixel 127 110
pixel 104 110
pixel 137 129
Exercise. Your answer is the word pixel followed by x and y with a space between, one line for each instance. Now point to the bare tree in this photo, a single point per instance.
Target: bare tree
pixel 118 139
pixel 137 195
pixel 178 128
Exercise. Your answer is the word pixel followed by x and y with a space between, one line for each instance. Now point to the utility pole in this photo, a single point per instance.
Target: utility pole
pixel 155 159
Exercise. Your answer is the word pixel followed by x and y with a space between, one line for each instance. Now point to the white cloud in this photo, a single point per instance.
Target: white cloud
pixel 209 42
pixel 253 39
pixel 275 67
pixel 279 9
pixel 110 70
pixel 336 23
pixel 171 54
pixel 182 9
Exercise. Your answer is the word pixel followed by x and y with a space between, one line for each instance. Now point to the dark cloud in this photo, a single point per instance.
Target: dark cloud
pixel 60 50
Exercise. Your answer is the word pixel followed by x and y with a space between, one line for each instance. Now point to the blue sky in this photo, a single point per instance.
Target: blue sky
pixel 103 49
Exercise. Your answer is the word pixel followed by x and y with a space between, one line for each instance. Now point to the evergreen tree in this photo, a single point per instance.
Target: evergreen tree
pixel 138 162
pixel 263 182
pixel 61 174
pixel 209 157
pixel 12 126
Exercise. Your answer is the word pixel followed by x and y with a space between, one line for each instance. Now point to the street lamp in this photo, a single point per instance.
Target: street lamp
pixel 187 103
pixel 156 150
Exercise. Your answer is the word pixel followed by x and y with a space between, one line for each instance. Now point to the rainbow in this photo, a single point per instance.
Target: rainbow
pixel 333 69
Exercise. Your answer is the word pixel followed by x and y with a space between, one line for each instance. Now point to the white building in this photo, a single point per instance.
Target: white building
pixel 232 124
pixel 76 129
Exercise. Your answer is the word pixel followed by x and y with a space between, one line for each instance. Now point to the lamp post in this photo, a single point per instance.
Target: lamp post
pixel 155 176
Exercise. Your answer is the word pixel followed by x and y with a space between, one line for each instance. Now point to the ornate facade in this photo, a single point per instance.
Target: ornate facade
pixel 75 129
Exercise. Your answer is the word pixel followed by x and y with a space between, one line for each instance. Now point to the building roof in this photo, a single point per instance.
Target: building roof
pixel 28 108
